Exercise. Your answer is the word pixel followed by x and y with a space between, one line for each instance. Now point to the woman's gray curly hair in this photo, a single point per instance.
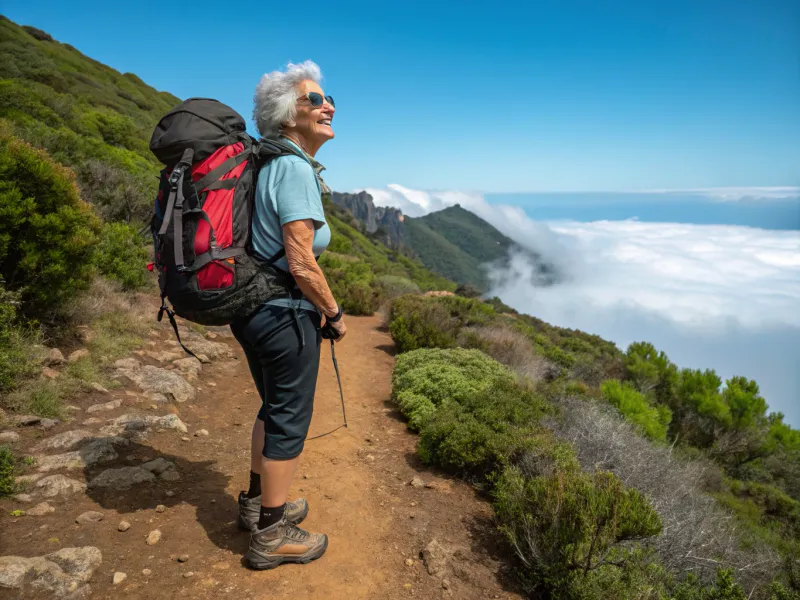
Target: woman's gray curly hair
pixel 275 98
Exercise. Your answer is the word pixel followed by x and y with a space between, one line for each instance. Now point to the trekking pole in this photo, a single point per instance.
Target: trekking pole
pixel 339 381
pixel 329 333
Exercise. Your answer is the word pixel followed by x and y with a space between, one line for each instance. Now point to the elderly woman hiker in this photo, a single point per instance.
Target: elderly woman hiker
pixel 281 340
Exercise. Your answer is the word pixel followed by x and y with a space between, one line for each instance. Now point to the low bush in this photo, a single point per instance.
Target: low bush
pixel 651 421
pixel 567 525
pixel 395 285
pixel 7 481
pixel 47 233
pixel 352 283
pixel 17 344
pixel 508 347
pixel 447 375
pixel 121 255
pixel 698 534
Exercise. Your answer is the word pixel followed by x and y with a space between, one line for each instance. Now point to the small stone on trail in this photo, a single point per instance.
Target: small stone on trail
pixel 407 586
pixel 111 405
pixel 40 510
pixel 153 537
pixel 50 373
pixel 77 355
pixel 409 562
pixel 188 574
pixel 211 383
pixel 127 363
pixel 183 558
pixel 123 526
pixel 25 420
pixel 185 439
pixel 201 433
pixel 98 388
pixel 119 577
pixel 55 357
pixel 446 584
pixel 416 482
pixel 169 493
pixel 90 516
pixel 170 476
pixel 413 504
pixel 48 423
pixel 146 572
pixel 23 498
pixel 9 437
pixel 161 508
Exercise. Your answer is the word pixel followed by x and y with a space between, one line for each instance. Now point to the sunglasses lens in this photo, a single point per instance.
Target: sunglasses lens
pixel 315 99
pixel 330 101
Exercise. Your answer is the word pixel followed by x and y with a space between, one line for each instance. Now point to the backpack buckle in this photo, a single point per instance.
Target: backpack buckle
pixel 175 176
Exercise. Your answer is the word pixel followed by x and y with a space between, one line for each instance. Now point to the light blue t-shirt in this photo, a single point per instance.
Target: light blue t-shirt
pixel 287 190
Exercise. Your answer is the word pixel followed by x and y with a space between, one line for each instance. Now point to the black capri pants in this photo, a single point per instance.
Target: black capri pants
pixel 282 348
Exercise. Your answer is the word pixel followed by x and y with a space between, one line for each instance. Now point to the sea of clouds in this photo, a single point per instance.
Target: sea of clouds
pixel 711 296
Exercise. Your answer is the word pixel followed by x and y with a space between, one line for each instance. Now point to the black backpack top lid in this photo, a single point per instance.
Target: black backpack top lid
pixel 202 124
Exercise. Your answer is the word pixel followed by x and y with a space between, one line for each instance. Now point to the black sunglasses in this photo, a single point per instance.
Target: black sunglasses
pixel 316 99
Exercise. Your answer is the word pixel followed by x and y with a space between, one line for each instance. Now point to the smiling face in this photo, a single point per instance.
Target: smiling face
pixel 312 124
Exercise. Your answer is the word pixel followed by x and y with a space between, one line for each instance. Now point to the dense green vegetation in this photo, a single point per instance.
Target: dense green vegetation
pixel 363 273
pixel 88 117
pixel 480 420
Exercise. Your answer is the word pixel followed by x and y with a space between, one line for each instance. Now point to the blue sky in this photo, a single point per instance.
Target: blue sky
pixel 491 96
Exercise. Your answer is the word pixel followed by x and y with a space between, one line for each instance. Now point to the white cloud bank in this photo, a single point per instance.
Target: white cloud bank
pixel 711 296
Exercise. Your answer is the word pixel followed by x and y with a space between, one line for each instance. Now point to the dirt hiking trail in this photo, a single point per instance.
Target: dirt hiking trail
pixel 395 528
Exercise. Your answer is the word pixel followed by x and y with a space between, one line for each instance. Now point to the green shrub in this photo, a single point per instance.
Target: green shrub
pixel 454 439
pixel 569 524
pixel 652 421
pixel 395 285
pixel 416 408
pixel 47 233
pixel 420 322
pixel 352 283
pixel 7 481
pixel 724 588
pixel 17 353
pixel 121 255
pixel 446 375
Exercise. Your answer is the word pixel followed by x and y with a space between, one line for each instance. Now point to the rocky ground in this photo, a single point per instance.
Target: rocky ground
pixel 134 495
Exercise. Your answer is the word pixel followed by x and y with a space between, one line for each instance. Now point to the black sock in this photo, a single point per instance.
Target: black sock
pixel 270 516
pixel 255 485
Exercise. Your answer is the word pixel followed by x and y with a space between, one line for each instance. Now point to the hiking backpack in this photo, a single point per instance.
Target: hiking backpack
pixel 202 215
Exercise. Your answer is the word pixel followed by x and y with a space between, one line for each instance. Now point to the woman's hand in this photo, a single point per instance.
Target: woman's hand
pixel 339 327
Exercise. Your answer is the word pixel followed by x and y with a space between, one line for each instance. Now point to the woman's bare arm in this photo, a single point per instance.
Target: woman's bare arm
pixel 298 239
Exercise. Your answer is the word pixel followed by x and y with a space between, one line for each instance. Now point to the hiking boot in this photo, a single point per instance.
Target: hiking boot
pixel 283 542
pixel 250 510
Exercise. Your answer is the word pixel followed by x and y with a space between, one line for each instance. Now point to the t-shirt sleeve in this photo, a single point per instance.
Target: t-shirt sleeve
pixel 297 195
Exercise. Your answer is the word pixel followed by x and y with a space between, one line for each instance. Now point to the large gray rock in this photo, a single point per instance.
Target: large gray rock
pixel 189 367
pixel 58 574
pixel 68 440
pixel 94 453
pixel 56 485
pixel 127 363
pixel 155 379
pixel 213 350
pixel 158 465
pixel 9 437
pixel 121 479
pixel 131 425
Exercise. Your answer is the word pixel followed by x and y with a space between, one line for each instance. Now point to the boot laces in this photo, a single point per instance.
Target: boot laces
pixel 296 533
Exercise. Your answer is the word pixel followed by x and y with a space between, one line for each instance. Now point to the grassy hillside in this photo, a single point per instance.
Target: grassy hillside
pixel 460 246
pixel 456 243
pixel 719 472
pixel 87 116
